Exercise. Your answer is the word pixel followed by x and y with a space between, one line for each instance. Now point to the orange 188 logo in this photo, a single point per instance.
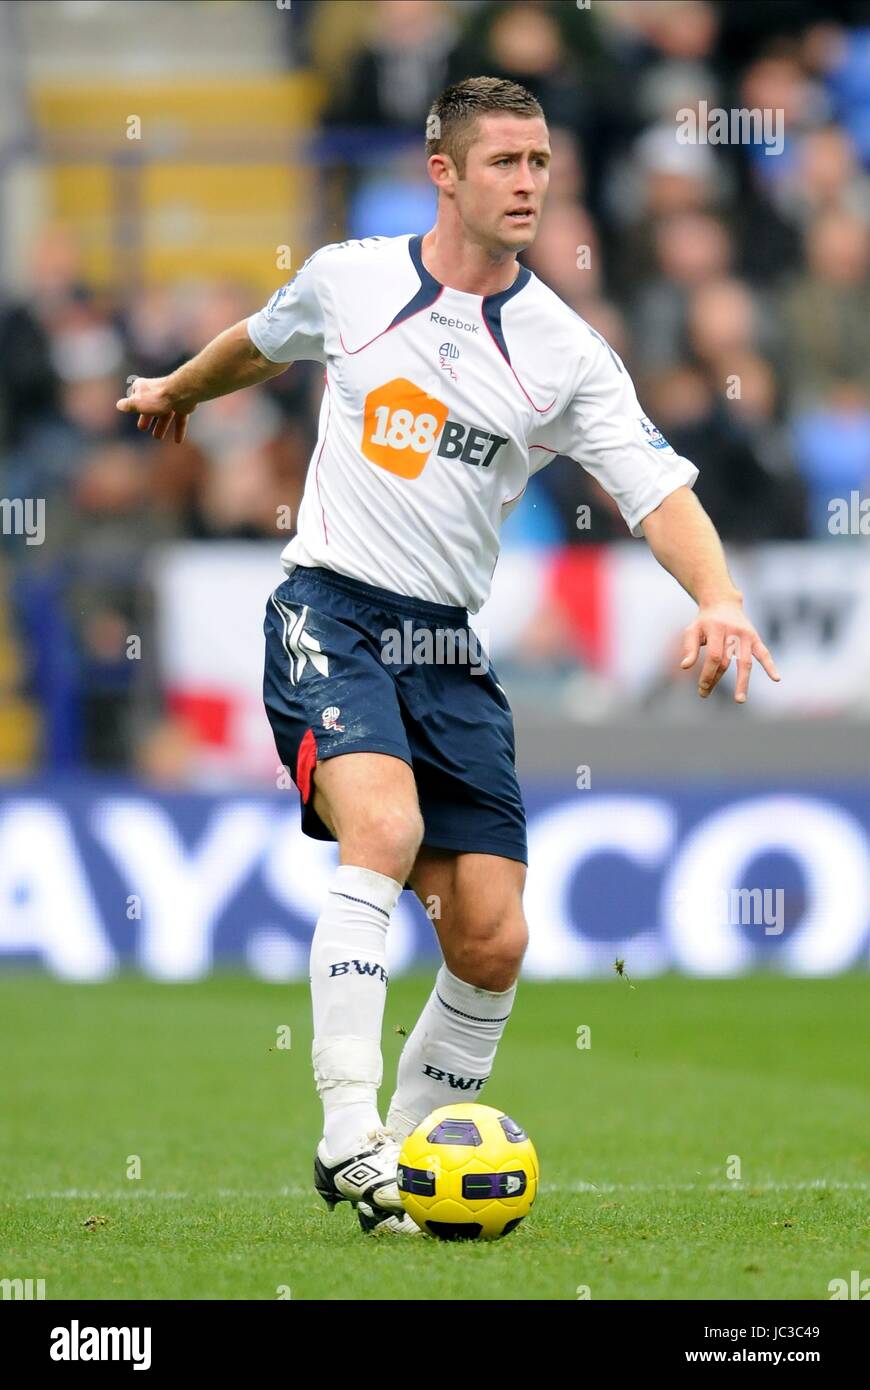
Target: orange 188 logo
pixel 400 427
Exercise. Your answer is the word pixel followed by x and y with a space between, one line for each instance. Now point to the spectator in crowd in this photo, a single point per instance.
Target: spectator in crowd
pixel 691 249
pixel 748 501
pixel 827 308
pixel 754 399
pixel 400 67
pixel 777 87
pixel 662 180
pixel 832 443
pixel 28 379
pixel 828 177
pixel 845 65
pixel 524 42
pixel 724 318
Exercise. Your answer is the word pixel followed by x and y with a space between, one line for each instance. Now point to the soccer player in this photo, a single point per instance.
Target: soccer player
pixel 451 375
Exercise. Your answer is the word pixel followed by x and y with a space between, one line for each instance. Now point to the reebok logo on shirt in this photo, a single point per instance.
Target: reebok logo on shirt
pixel 435 317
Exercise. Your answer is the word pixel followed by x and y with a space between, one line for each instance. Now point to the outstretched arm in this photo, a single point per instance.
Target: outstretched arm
pixel 229 362
pixel 685 542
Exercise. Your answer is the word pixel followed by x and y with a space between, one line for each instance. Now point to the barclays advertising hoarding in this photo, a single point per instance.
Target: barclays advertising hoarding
pixel 100 876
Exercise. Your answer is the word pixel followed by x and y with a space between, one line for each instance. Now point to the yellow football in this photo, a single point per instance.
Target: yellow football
pixel 468 1172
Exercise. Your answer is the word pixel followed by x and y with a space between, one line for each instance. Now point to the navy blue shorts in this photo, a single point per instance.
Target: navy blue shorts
pixel 351 668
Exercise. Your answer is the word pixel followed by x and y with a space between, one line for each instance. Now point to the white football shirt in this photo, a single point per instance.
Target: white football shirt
pixel 438 407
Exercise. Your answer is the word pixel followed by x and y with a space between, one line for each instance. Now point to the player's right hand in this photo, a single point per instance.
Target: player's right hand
pixel 151 399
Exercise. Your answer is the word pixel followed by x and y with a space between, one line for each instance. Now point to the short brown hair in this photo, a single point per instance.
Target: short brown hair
pixel 450 125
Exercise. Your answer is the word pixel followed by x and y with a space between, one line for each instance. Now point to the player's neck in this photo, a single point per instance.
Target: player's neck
pixel 466 266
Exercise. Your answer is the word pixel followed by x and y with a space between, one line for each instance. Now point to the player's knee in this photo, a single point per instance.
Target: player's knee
pixel 385 838
pixel 492 959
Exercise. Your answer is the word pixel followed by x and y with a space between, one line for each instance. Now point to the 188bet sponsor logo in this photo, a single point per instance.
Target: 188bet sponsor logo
pixel 402 425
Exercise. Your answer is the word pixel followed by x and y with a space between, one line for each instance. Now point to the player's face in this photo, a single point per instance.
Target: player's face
pixel 507 171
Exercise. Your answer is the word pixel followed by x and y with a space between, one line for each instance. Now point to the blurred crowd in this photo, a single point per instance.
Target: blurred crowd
pixel 732 280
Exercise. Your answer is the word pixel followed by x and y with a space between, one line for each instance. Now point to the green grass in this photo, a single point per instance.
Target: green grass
pixel 680 1075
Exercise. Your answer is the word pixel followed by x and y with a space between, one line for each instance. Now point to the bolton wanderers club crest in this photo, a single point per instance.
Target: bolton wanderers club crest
pixel 330 719
pixel 447 355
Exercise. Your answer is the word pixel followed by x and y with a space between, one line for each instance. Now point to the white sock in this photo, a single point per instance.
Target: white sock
pixel 348 993
pixel 453 1043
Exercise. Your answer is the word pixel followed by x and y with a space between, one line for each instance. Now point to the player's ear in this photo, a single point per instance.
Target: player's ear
pixel 442 172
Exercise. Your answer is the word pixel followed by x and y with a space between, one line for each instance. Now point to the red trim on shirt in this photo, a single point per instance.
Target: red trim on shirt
pixel 541 409
pixel 319 452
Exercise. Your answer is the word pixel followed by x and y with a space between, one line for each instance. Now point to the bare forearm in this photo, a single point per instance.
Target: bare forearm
pixel 685 542
pixel 228 363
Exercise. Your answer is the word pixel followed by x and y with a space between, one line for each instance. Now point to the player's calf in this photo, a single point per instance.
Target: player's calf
pixel 370 802
pixel 483 935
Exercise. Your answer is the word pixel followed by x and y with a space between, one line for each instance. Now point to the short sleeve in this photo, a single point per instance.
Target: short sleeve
pixel 603 427
pixel 291 327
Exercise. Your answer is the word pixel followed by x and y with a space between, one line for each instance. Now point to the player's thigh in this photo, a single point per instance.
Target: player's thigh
pixel 475 902
pixel 338 728
pixel 369 803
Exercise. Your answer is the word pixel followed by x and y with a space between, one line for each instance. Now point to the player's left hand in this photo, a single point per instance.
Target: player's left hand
pixel 726 632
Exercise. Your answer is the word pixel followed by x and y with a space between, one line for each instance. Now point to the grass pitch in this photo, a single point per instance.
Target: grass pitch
pixel 638 1137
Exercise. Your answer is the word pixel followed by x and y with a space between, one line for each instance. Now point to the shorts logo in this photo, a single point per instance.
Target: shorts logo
pixel 330 719
pixel 448 354
pixel 654 435
pixel 299 645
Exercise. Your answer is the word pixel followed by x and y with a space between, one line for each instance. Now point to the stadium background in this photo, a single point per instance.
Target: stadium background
pixel 163 167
